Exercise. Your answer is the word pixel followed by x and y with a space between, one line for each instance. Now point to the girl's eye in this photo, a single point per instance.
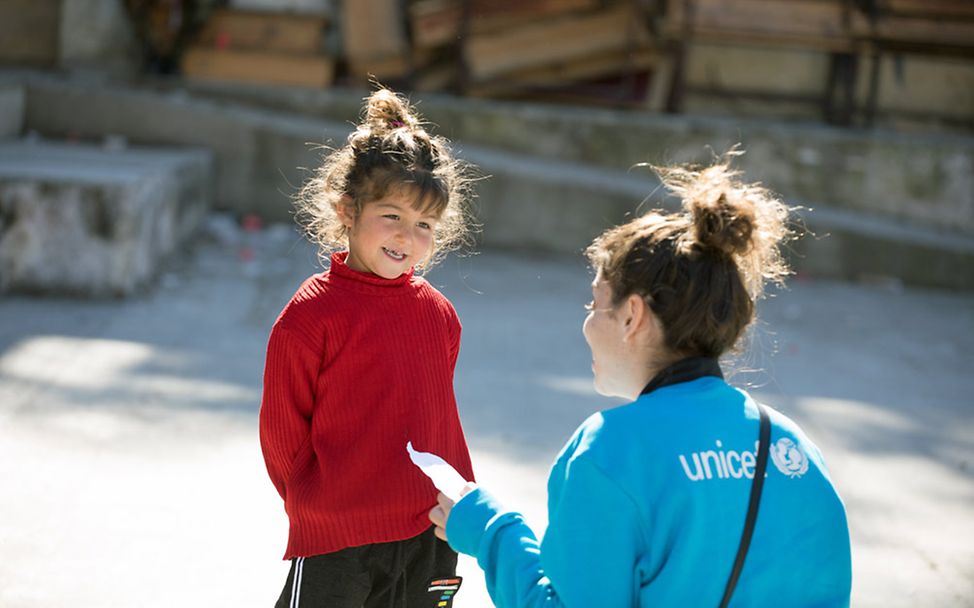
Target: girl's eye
pixel 391 216
pixel 424 225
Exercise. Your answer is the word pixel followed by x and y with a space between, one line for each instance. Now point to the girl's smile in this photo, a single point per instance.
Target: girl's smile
pixel 389 236
pixel 396 255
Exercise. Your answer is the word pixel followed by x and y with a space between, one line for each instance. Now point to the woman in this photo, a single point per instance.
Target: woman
pixel 662 502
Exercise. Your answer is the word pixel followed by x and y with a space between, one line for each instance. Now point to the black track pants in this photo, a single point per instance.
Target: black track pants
pixel 419 572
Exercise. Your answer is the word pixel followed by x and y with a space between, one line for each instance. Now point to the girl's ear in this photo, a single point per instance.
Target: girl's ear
pixel 345 209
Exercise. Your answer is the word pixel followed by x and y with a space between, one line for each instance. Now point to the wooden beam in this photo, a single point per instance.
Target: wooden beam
pixel 613 63
pixel 437 22
pixel 557 41
pixel 261 67
pixel 373 29
pixel 30 32
pixel 930 8
pixel 248 30
pixel 819 24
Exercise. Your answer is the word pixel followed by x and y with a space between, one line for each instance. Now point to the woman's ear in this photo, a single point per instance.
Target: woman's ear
pixel 636 317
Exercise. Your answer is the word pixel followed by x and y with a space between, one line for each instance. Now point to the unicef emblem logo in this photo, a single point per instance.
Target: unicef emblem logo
pixel 789 458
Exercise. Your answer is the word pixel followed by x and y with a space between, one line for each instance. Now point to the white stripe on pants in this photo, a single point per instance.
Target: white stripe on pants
pixel 296 583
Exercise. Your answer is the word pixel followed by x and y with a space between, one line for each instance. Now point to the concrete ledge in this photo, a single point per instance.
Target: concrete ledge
pixel 855 246
pixel 82 220
pixel 531 203
pixel 925 179
pixel 553 206
pixel 13 101
pixel 559 204
pixel 258 155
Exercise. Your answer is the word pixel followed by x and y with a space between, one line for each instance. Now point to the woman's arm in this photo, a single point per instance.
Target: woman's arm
pixel 588 557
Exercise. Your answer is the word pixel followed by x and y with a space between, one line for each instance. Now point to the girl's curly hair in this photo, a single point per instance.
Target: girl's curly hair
pixel 389 150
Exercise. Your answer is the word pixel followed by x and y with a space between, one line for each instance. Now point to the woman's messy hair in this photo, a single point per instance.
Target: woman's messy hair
pixel 389 152
pixel 701 269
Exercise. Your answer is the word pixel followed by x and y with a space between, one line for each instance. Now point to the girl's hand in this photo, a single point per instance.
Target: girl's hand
pixel 441 512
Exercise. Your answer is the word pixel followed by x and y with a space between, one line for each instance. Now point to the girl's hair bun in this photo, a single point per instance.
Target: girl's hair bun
pixel 385 111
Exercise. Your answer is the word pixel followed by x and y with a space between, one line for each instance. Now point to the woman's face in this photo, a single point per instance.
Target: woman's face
pixel 604 332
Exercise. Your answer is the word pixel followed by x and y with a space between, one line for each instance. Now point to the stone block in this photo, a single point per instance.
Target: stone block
pixel 83 220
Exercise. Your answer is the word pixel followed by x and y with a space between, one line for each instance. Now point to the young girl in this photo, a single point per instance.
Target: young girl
pixel 656 503
pixel 360 362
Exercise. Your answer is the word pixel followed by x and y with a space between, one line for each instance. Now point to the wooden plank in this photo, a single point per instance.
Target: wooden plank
pixel 248 30
pixel 393 66
pixel 554 42
pixel 618 92
pixel 788 72
pixel 30 32
pixel 262 67
pixel 660 84
pixel 929 8
pixel 318 8
pixel 794 23
pixel 437 22
pixel 940 88
pixel 373 28
pixel 613 63
pixel 926 32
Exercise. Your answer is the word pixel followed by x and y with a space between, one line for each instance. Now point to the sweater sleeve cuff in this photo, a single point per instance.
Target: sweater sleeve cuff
pixel 471 518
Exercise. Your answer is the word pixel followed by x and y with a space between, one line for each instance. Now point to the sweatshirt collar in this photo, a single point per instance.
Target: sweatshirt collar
pixel 365 281
pixel 684 370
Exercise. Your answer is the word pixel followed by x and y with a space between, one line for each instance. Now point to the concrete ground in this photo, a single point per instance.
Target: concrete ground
pixel 131 473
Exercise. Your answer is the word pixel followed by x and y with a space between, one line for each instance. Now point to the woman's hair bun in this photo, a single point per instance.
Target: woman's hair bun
pixel 728 216
pixel 722 221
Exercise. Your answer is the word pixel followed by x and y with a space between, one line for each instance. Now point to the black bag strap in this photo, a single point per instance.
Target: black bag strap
pixel 764 439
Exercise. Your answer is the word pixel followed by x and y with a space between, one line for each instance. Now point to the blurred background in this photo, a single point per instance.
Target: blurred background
pixel 150 150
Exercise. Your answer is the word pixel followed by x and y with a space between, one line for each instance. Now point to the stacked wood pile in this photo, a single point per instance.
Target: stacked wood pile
pixel 806 58
pixel 940 26
pixel 375 40
pixel 261 47
pixel 920 58
pixel 754 56
pixel 841 60
pixel 832 58
pixel 574 49
pixel 792 23
pixel 29 32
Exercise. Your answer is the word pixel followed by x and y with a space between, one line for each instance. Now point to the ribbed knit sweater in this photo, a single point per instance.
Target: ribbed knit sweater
pixel 357 365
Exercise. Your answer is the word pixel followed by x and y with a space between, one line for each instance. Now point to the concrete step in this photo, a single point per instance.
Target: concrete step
pixel 922 178
pixel 542 203
pixel 85 220
pixel 532 203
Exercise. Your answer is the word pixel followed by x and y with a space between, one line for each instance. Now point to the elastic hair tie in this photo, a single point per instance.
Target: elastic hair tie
pixel 396 123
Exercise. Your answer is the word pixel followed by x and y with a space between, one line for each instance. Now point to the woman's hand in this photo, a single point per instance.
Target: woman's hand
pixel 441 512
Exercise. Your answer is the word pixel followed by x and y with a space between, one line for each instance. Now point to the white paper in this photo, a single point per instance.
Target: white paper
pixel 444 477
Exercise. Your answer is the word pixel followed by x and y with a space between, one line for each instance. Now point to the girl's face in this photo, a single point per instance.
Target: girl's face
pixel 604 332
pixel 389 236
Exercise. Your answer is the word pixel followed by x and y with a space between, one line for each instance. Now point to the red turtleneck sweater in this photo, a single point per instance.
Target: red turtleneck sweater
pixel 358 365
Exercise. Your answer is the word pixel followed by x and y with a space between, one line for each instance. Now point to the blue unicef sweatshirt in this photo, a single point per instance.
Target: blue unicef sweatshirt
pixel 646 504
